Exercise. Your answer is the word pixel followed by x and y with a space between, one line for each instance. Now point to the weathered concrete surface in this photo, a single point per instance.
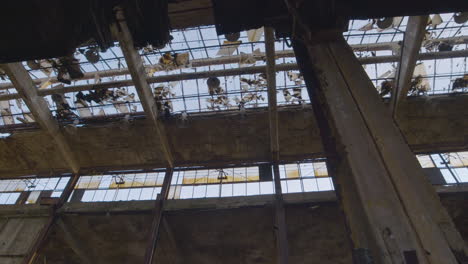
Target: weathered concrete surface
pixel 17 234
pixel 218 230
pixel 209 139
pixel 435 123
pixel 242 235
pixel 457 206
pixel 430 124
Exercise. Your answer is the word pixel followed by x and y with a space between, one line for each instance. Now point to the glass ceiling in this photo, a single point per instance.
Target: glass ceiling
pixel 237 92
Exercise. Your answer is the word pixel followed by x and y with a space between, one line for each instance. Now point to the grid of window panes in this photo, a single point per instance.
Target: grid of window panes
pixel 438 75
pixel 453 166
pixel 305 177
pixel 245 181
pixel 204 183
pixel 224 182
pixel 121 187
pixel 202 43
pixel 10 190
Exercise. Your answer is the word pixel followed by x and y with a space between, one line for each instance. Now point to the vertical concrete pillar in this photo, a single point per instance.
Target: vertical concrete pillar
pixel 393 214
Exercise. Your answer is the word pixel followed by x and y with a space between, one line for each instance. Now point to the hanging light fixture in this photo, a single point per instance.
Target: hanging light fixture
pixel 92 55
pixel 385 23
pixel 232 37
pixel 461 17
pixel 213 85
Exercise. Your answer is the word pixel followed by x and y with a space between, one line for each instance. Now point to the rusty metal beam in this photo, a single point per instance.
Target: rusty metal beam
pixel 280 217
pixel 280 228
pixel 158 216
pixel 138 73
pixel 414 35
pixel 40 110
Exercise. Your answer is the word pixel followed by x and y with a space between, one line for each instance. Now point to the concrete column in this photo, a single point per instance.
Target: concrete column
pixel 393 214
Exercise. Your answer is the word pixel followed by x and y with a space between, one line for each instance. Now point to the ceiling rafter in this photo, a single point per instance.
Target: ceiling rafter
pixel 409 52
pixel 40 110
pixel 138 73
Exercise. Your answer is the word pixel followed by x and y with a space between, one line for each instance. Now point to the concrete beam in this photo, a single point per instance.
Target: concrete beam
pixel 206 204
pixel 138 73
pixel 40 110
pixel 401 163
pixel 361 126
pixel 382 227
pixel 31 211
pixel 414 35
pixel 422 56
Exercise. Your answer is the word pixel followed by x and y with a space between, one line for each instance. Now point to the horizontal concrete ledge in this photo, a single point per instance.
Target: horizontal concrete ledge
pixel 197 204
pixel 429 123
pixel 187 204
pixel 171 205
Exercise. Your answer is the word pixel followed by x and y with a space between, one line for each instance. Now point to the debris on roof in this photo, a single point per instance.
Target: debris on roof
pixel 460 83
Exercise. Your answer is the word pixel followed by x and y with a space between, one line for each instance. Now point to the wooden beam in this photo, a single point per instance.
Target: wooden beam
pixel 40 110
pixel 339 170
pixel 138 73
pixel 158 216
pixel 414 35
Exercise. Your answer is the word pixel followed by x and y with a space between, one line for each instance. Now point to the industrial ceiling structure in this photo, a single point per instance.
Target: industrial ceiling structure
pixel 201 131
